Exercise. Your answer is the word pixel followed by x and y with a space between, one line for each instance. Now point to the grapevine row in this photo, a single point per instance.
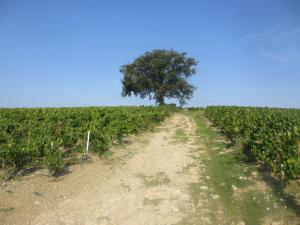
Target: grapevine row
pixel 271 136
pixel 45 136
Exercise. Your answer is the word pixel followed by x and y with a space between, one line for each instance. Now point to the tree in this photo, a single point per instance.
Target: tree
pixel 159 74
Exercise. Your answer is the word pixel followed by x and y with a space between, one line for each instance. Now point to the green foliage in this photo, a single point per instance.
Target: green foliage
pixel 271 136
pixel 54 160
pixel 159 74
pixel 26 134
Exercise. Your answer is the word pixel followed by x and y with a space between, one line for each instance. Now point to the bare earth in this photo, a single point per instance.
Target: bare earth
pixel 144 182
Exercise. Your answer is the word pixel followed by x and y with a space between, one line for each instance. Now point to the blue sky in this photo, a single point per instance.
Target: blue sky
pixel 68 53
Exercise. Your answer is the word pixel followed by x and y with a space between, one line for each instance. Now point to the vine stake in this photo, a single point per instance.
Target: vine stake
pixel 88 142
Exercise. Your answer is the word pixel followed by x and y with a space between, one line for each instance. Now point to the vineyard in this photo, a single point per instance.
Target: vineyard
pixel 47 137
pixel 270 136
pixel 186 158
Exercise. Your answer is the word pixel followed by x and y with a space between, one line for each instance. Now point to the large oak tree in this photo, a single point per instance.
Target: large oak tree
pixel 159 74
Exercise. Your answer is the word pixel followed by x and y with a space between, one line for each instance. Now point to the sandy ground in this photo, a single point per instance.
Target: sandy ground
pixel 143 182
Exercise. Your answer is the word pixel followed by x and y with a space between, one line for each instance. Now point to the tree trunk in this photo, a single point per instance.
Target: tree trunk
pixel 160 100
pixel 160 96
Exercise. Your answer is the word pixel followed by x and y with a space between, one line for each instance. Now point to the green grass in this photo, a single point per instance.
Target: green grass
pixel 181 136
pixel 243 197
pixel 155 180
pixel 154 202
pixel 7 210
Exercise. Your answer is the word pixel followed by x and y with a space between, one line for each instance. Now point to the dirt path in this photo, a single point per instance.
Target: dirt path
pixel 144 182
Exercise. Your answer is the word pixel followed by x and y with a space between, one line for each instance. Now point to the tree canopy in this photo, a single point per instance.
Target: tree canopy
pixel 159 74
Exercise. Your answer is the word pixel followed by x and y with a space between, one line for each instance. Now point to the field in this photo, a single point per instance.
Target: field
pixel 32 138
pixel 247 192
pixel 270 136
pixel 157 165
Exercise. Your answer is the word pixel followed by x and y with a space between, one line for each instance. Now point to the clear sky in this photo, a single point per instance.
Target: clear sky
pixel 68 53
